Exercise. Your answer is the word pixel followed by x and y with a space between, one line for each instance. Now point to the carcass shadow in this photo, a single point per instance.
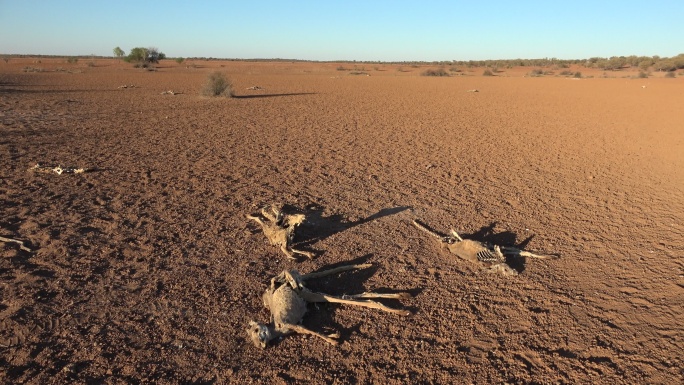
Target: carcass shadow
pixel 319 227
pixel 272 95
pixel 486 234
pixel 348 282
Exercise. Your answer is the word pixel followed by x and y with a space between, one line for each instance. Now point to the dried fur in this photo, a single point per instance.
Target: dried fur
pixel 483 254
pixel 287 300
pixel 279 229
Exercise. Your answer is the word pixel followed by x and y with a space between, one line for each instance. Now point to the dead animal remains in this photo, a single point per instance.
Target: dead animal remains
pixel 483 254
pixel 59 170
pixel 287 298
pixel 280 228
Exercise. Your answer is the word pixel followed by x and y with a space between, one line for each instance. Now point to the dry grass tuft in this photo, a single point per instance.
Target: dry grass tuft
pixel 217 85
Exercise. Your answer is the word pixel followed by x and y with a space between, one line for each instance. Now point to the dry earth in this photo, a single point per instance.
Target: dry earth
pixel 144 269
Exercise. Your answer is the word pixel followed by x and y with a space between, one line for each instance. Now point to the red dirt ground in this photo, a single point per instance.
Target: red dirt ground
pixel 145 270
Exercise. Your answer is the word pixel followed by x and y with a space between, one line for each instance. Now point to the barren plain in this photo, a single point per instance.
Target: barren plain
pixel 144 269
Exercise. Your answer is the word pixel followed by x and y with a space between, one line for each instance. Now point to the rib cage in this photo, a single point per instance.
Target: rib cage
pixel 485 255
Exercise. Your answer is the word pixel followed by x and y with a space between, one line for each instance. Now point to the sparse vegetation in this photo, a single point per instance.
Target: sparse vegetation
pixel 180 60
pixel 6 59
pixel 435 72
pixel 537 72
pixel 642 75
pixel 144 57
pixel 487 72
pixel 217 85
pixel 118 52
pixel 72 60
pixel 670 74
pixel 577 75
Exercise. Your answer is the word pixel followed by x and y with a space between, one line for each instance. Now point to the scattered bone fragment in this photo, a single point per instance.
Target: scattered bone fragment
pixel 20 243
pixel 481 253
pixel 287 300
pixel 279 229
pixel 59 170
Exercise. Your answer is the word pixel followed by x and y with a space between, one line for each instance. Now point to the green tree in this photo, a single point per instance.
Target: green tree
pixel 644 65
pixel 137 55
pixel 154 55
pixel 180 60
pixel 118 52
pixel 665 65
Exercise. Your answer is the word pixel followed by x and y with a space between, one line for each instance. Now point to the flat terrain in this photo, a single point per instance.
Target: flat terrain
pixel 144 268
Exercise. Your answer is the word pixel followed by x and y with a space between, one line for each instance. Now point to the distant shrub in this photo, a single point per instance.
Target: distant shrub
pixel 454 69
pixel 180 60
pixel 32 69
pixel 341 68
pixel 139 55
pixel 566 73
pixel 670 74
pixel 6 59
pixel 358 73
pixel 118 52
pixel 536 72
pixel 577 75
pixel 72 60
pixel 487 72
pixel 217 85
pixel 435 72
pixel 91 64
pixel 642 75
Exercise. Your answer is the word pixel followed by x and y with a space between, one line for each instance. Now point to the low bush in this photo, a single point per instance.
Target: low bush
pixel 670 74
pixel 217 85
pixel 487 72
pixel 642 75
pixel 536 72
pixel 435 72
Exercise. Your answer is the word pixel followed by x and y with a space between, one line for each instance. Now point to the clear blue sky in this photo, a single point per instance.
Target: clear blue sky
pixel 346 30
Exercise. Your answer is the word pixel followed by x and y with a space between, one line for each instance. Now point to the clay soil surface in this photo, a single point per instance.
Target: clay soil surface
pixel 144 268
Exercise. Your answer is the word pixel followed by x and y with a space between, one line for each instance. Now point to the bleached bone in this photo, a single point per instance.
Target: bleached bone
pixel 483 254
pixel 59 170
pixel 279 229
pixel 287 300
